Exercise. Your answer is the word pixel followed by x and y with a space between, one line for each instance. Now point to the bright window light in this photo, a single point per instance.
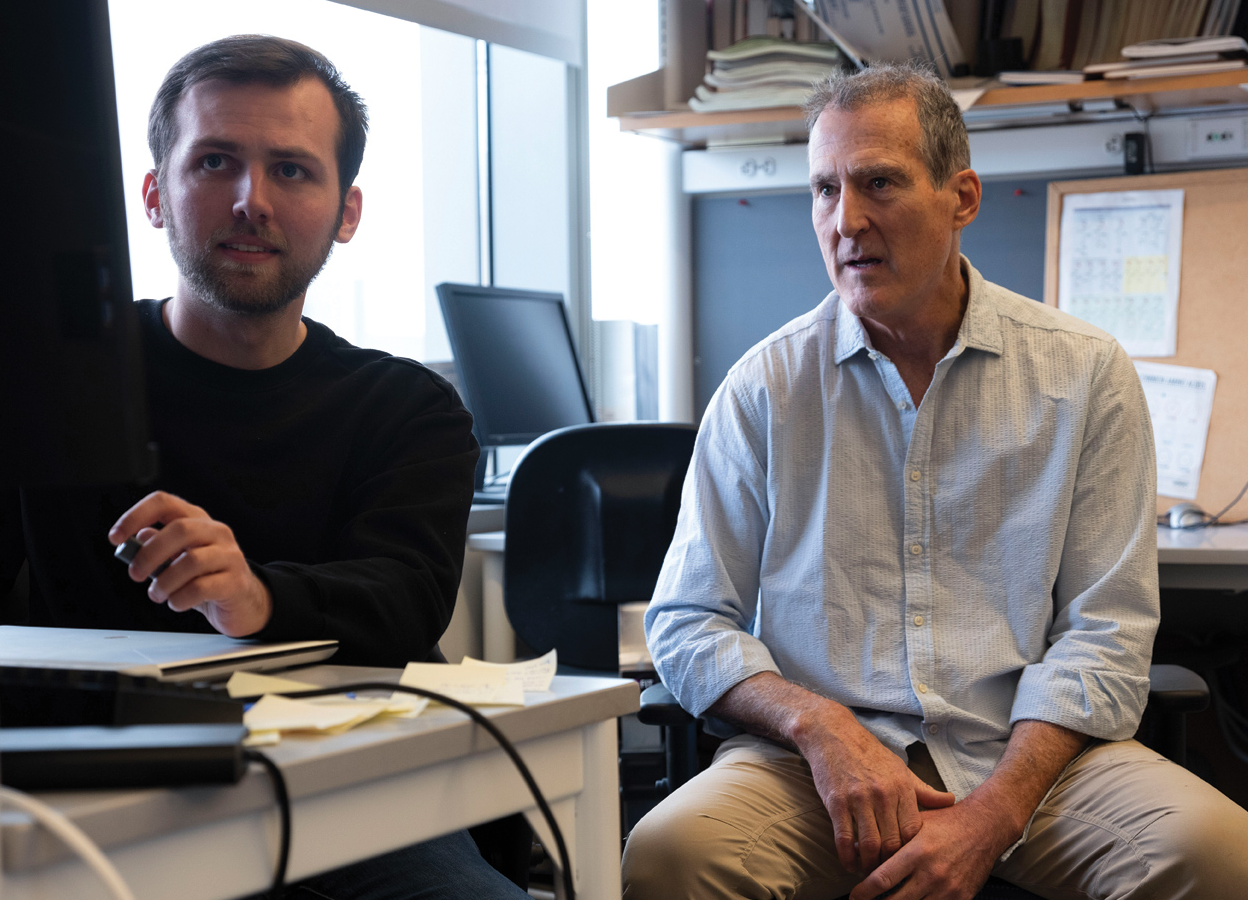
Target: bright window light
pixel 629 174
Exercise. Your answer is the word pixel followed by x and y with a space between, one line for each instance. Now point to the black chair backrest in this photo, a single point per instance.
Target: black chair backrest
pixel 590 513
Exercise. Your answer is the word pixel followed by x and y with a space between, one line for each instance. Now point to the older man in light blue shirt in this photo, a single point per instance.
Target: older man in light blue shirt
pixel 916 571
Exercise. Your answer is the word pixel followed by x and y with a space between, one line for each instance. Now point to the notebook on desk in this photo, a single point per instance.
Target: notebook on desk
pixel 167 656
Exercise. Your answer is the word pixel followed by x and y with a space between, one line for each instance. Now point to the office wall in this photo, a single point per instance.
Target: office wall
pixel 756 265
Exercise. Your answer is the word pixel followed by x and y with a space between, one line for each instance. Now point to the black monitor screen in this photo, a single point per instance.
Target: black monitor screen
pixel 72 405
pixel 516 362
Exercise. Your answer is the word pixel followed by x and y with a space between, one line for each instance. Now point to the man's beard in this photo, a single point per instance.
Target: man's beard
pixel 239 287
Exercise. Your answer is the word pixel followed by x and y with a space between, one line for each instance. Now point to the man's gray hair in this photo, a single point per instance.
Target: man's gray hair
pixel 943 144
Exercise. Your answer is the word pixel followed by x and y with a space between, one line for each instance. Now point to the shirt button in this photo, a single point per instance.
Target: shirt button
pixel 902 404
pixel 932 729
pixel 922 688
pixel 915 474
pixel 918 620
pixel 916 549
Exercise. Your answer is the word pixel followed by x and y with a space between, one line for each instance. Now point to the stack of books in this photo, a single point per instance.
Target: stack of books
pixel 1175 56
pixel 763 71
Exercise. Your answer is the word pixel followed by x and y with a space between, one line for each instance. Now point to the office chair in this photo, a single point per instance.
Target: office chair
pixel 590 512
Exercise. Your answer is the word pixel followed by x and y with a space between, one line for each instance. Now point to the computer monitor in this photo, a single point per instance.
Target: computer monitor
pixel 72 401
pixel 516 362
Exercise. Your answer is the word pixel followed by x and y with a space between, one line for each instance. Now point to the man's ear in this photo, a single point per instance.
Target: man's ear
pixel 967 188
pixel 352 207
pixel 151 200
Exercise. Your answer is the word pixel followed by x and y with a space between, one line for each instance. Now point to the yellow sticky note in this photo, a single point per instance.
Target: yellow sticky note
pixel 274 713
pixel 251 684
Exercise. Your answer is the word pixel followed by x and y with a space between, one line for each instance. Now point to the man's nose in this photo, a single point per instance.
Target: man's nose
pixel 252 199
pixel 851 216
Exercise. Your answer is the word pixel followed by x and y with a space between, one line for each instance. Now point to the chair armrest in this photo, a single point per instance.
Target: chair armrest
pixel 1174 689
pixel 659 707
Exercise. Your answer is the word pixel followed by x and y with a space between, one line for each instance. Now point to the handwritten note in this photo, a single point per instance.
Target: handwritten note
pixel 1180 403
pixel 531 675
pixel 474 685
pixel 1118 265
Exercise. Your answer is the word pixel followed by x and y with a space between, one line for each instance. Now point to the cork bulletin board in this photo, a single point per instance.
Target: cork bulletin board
pixel 1212 312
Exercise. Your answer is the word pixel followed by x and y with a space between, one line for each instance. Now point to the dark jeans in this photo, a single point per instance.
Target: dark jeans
pixel 445 868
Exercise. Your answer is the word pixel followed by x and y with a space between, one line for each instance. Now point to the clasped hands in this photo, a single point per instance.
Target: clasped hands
pixel 205 570
pixel 905 836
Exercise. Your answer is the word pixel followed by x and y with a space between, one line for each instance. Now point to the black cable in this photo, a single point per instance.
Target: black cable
pixel 1211 521
pixel 484 722
pixel 283 806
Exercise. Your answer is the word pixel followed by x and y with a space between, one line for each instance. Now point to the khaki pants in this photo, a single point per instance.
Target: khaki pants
pixel 1122 822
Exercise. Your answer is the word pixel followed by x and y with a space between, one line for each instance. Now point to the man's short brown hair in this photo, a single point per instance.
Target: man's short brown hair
pixel 251 58
pixel 944 144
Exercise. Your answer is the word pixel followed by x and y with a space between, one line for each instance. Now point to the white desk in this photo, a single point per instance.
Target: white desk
pixel 1203 558
pixel 377 788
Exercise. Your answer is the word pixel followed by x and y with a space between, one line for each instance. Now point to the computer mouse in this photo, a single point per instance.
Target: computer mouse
pixel 1186 515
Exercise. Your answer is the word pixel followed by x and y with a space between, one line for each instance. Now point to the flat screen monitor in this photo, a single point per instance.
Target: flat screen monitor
pixel 516 362
pixel 72 402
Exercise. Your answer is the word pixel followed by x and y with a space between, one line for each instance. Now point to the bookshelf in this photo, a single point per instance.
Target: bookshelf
pixel 784 124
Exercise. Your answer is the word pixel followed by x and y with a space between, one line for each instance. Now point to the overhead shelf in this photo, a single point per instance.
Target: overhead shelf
pixel 784 124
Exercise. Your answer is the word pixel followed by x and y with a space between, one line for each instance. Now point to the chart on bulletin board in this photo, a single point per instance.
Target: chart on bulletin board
pixel 1160 262
pixel 1119 265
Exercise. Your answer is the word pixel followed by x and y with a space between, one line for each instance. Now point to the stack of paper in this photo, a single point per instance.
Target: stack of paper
pixel 764 71
pixel 473 682
pixel 1175 56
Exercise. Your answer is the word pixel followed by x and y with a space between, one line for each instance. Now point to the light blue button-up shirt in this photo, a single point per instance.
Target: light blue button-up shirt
pixel 943 571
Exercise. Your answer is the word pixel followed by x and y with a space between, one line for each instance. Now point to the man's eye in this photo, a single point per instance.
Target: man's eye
pixel 879 183
pixel 290 170
pixel 214 161
pixel 827 190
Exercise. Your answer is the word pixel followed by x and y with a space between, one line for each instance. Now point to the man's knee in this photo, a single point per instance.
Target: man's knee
pixel 672 855
pixel 1199 850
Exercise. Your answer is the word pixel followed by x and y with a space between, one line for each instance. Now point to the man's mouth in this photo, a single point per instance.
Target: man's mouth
pixel 247 248
pixel 863 262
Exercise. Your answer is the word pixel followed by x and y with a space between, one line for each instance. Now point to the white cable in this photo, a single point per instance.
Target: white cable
pixel 73 836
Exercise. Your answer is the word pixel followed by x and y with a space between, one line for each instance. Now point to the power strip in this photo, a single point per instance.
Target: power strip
pixel 84 757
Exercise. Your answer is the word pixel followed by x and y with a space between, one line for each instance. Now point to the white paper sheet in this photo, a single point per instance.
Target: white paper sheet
pixel 1118 266
pixel 474 685
pixel 895 30
pixel 531 675
pixel 1180 402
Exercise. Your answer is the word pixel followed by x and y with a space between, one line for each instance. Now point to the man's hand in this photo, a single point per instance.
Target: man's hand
pixel 950 858
pixel 206 569
pixel 871 797
pixel 955 850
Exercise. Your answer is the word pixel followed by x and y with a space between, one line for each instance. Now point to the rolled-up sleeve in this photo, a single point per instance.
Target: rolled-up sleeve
pixel 699 624
pixel 1094 676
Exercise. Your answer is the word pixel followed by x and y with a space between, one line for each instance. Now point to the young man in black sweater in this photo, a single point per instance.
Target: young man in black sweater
pixel 307 488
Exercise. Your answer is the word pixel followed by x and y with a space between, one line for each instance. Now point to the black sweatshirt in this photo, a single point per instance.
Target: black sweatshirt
pixel 345 475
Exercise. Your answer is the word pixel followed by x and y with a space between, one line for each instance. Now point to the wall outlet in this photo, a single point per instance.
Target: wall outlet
pixel 1224 136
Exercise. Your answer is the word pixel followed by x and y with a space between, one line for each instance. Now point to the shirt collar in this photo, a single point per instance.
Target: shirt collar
pixel 980 328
